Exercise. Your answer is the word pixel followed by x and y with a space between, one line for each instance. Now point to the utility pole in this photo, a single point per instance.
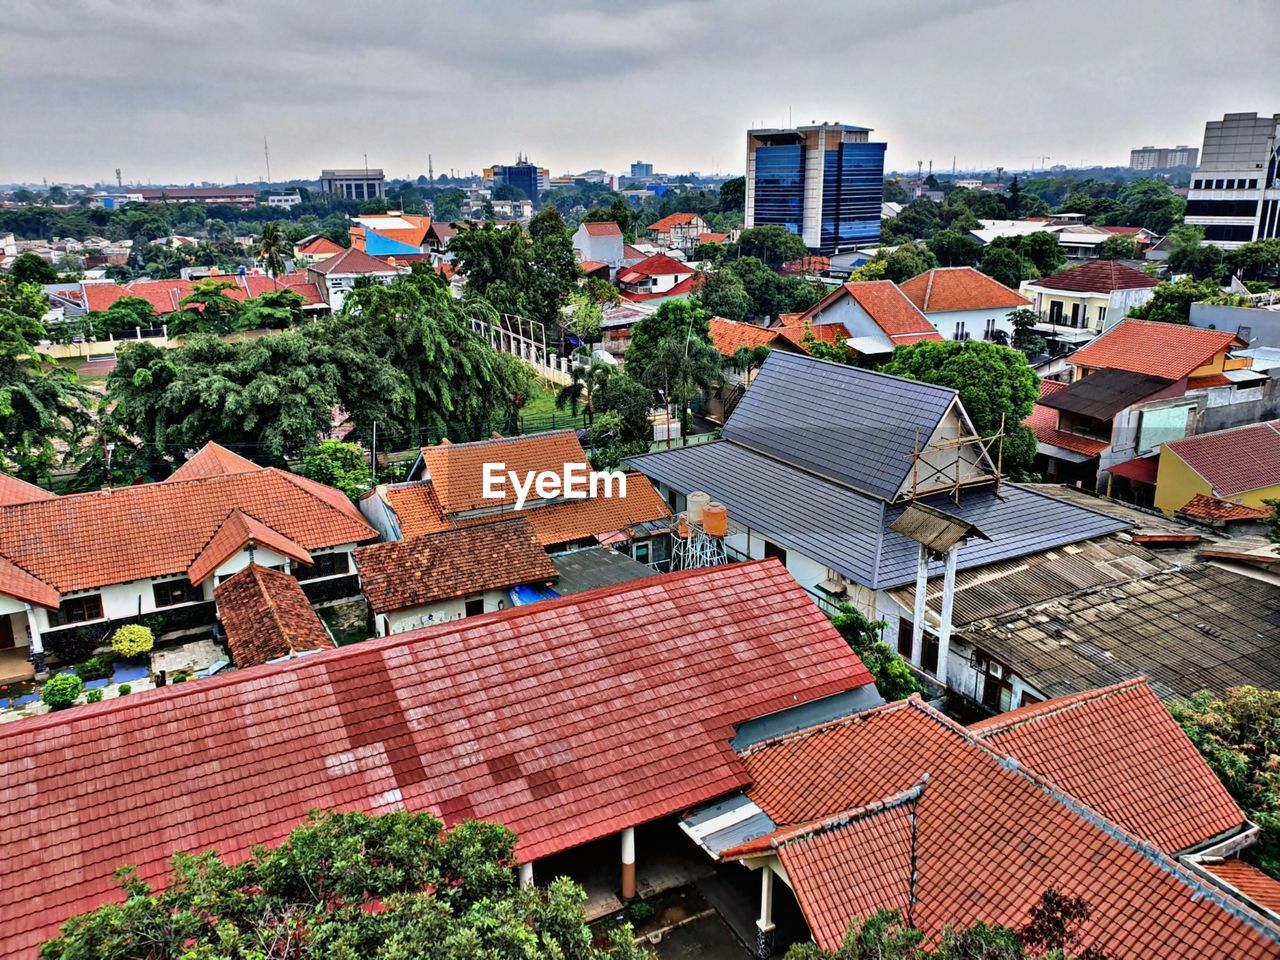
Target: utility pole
pixel 373 453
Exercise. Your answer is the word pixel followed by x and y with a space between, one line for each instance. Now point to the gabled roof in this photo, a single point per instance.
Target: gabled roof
pixel 17 583
pixel 658 265
pixel 242 532
pixel 602 228
pixel 892 311
pixel 1168 350
pixel 1103 394
pixel 1248 881
pixel 797 333
pixel 1043 422
pixel 899 800
pixel 1119 751
pixel 1097 276
pixel 456 470
pixel 729 336
pixel 318 245
pixel 1215 510
pixel 352 261
pixel 13 491
pixel 451 564
pixel 567 720
pixel 1233 461
pixel 266 616
pixel 212 460
pixel 672 220
pixel 960 288
pixel 868 428
pixel 682 289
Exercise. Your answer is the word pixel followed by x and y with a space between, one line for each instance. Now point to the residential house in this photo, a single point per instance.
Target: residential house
pixel 389 234
pixel 962 302
pixel 93 561
pixel 166 296
pixel 819 462
pixel 452 574
pixel 540 717
pixel 337 275
pixel 656 278
pixel 438 236
pixel 876 317
pixel 899 807
pixel 600 242
pixel 1144 238
pixel 619 318
pixel 679 230
pixel 315 248
pixel 266 617
pixel 1240 465
pixel 446 490
pixel 1082 302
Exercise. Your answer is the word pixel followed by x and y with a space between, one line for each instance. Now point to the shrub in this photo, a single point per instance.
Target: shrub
pixel 125 688
pixel 61 691
pixel 132 640
pixel 74 645
pixel 640 911
pixel 96 668
pixel 93 696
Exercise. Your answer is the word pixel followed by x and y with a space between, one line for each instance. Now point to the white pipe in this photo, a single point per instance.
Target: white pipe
pixel 765 922
pixel 526 874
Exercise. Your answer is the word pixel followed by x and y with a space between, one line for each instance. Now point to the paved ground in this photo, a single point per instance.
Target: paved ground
pixel 705 939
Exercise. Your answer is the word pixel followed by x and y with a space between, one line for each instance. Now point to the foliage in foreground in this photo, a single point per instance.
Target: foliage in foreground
pixel 894 679
pixel 346 886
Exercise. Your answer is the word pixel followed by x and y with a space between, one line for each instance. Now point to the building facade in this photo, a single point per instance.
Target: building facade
pixel 526 177
pixel 640 170
pixel 362 184
pixel 823 182
pixel 1235 191
pixel 1161 158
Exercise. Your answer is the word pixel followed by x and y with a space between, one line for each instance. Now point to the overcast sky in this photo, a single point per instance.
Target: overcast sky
pixel 175 91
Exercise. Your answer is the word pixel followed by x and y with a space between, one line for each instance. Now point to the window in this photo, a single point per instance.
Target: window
pixel 1217 184
pixel 170 593
pixel 773 550
pixel 997 687
pixel 905 628
pixel 77 610
pixel 474 608
pixel 641 552
pixel 929 655
pixel 990 330
pixel 959 334
pixel 1055 311
pixel 324 565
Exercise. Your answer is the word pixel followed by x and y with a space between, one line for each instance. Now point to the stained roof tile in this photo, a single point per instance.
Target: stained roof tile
pixel 960 288
pixel 1098 276
pixel 1168 350
pixel 266 616
pixel 1233 461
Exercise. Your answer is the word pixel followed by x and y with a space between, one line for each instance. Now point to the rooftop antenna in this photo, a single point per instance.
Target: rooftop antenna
pixel 119 181
pixel 266 152
pixel 919 169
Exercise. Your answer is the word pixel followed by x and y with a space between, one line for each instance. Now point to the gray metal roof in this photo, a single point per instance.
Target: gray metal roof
pixel 848 531
pixel 856 427
pixel 596 567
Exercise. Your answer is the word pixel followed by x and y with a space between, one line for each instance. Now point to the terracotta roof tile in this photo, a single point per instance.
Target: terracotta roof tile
pixel 212 460
pixel 351 261
pixel 1249 881
pixel 14 491
pixel 1233 461
pixel 731 335
pixel 17 583
pixel 960 288
pixel 1098 276
pixel 566 720
pixel 658 265
pixel 603 228
pixel 457 469
pixel 672 220
pixel 1204 507
pixel 682 289
pixel 317 245
pixel 1043 422
pixel 1168 350
pixel 451 564
pixel 266 616
pixel 885 304
pixel 242 532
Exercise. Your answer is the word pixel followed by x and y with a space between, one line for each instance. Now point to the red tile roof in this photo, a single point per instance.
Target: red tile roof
pixel 456 470
pixel 87 540
pixel 712 237
pixel 17 583
pixel 453 563
pixel 166 296
pixel 960 288
pixel 13 490
pixel 1233 461
pixel 1043 422
pixel 731 335
pixel 990 839
pixel 1119 751
pixel 672 220
pixel 1098 276
pixel 212 460
pixel 352 261
pixel 1204 507
pixel 658 265
pixel 266 616
pixel 886 305
pixel 823 332
pixel 591 266
pixel 604 228
pixel 567 720
pixel 1249 881
pixel 681 289
pixel 241 532
pixel 318 245
pixel 1168 350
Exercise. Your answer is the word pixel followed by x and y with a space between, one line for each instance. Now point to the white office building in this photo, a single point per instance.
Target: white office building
pixel 1235 192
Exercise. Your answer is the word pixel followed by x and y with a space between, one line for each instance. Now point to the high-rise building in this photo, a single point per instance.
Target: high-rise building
pixel 358 184
pixel 1162 158
pixel 1235 192
pixel 824 182
pixel 526 177
pixel 640 169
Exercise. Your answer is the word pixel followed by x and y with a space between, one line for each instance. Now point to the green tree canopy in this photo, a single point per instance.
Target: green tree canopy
pixel 681 367
pixel 523 274
pixel 1006 265
pixel 724 294
pixel 207 309
pixel 1189 254
pixel 894 679
pixel 1258 260
pixel 273 247
pixel 1120 246
pixel 343 466
pixel 1171 301
pixel 682 318
pixel 29 268
pixel 773 244
pixel 955 249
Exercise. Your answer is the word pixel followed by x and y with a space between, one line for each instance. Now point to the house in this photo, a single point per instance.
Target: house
pixel 94 561
pixel 818 464
pixel 315 248
pixel 679 230
pixel 876 316
pixel 338 274
pixel 266 617
pixel 600 242
pixel 389 234
pixel 166 296
pixel 730 336
pixel 438 236
pixel 1090 298
pixel 656 278
pixel 540 717
pixel 962 302
pixel 446 490
pixel 452 574
pixel 1240 465
pixel 898 807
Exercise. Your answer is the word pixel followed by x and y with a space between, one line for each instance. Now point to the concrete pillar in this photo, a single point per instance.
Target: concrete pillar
pixel 36 644
pixel 629 863
pixel 526 874
pixel 922 590
pixel 948 600
pixel 764 923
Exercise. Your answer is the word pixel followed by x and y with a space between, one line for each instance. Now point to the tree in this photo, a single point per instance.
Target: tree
pixel 894 679
pixel 1256 260
pixel 346 885
pixel 126 314
pixel 1171 301
pixel 724 294
pixel 837 351
pixel 273 247
pixel 746 360
pixel 1005 265
pixel 624 396
pixel 1239 737
pixel 909 260
pixel 273 310
pixel 523 274
pixel 1023 320
pixel 29 268
pixel 447 205
pixel 681 367
pixel 1120 246
pixel 1188 253
pixel 954 249
pixel 336 464
pixel 732 196
pixel 585 373
pixel 995 384
pixel 674 318
pixel 773 244
pixel 207 309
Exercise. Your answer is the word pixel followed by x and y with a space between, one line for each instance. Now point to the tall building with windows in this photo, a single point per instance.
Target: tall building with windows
pixel 640 170
pixel 359 184
pixel 529 179
pixel 1162 158
pixel 1235 192
pixel 824 182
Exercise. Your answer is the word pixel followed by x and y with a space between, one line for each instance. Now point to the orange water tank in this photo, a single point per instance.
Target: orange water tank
pixel 697 502
pixel 682 527
pixel 715 519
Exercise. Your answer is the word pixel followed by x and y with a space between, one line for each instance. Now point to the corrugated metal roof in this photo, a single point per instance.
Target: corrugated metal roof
pixel 1103 394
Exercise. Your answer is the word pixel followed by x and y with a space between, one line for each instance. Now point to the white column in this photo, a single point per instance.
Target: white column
pixel 526 874
pixel 765 921
pixel 948 599
pixel 629 863
pixel 922 590
pixel 36 644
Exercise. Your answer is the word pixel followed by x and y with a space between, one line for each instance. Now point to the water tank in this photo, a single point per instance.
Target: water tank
pixel 697 501
pixel 682 527
pixel 715 519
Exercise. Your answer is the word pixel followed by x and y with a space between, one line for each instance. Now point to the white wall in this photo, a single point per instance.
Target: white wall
pixel 412 618
pixel 975 321
pixel 844 309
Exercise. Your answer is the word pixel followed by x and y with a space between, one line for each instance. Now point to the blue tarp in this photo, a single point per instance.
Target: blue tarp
pixel 526 593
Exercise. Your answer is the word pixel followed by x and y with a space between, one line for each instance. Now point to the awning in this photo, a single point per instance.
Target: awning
pixel 1062 453
pixel 1141 469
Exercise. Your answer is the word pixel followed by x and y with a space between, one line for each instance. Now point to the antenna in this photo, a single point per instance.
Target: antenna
pixel 266 152
pixel 119 181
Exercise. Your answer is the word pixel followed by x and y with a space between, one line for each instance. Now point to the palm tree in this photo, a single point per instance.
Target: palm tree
pixel 585 374
pixel 681 368
pixel 747 359
pixel 273 248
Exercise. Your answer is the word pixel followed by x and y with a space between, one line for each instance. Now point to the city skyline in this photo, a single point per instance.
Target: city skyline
pixel 166 98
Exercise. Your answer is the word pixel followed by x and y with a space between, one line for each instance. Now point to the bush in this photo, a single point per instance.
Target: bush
pixel 61 691
pixel 132 640
pixel 97 668
pixel 640 911
pixel 73 645
pixel 124 688
pixel 93 696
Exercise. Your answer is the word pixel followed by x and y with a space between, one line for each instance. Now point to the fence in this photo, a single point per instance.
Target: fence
pixel 101 349
pixel 527 340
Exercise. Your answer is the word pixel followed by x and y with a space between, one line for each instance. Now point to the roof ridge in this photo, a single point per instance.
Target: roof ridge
pixel 928 290
pixel 1051 708
pixel 468 444
pixel 835 821
pixel 788 357
pixel 848 719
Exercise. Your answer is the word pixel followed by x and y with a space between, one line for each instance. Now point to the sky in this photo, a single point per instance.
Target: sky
pixel 180 91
